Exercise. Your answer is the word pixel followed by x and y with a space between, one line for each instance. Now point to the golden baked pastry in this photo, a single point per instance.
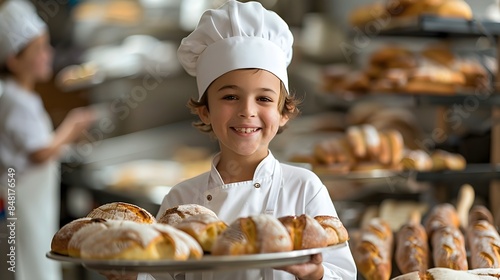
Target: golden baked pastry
pixel 253 235
pixel 335 230
pixel 305 232
pixel 204 228
pixel 76 241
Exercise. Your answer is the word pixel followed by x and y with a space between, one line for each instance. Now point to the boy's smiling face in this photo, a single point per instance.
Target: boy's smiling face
pixel 243 111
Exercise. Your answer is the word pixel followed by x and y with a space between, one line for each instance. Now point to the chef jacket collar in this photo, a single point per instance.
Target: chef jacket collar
pixel 265 169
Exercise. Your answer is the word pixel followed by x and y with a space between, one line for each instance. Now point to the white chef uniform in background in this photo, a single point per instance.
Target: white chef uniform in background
pixel 26 127
pixel 242 36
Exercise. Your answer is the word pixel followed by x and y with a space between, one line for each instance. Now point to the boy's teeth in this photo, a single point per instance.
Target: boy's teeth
pixel 246 130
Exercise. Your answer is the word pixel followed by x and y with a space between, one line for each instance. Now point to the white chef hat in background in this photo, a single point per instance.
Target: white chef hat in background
pixel 19 25
pixel 236 36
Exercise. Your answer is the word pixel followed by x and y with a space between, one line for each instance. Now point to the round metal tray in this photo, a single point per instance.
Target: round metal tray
pixel 207 263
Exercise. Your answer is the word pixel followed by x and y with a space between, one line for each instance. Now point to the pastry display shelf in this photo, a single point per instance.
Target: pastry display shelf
pixel 433 26
pixel 438 27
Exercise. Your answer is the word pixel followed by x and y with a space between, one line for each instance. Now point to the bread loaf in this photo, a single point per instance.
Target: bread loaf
pixel 479 213
pixel 204 228
pixel 62 237
pixel 180 242
pixel 373 252
pixel 122 211
pixel 175 215
pixel 335 230
pixel 484 244
pixel 412 250
pixel 448 248
pixel 135 241
pixel 441 215
pixel 75 243
pixel 253 235
pixel 305 232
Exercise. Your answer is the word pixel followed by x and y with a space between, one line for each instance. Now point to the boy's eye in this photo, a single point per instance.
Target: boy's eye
pixel 265 99
pixel 229 97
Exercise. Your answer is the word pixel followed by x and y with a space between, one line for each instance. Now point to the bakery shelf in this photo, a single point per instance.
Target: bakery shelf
pixel 433 26
pixel 473 172
pixel 483 99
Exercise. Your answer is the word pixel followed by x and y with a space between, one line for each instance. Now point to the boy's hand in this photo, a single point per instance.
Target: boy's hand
pixel 312 270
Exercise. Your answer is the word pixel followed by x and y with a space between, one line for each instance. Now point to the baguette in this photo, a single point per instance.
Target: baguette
pixel 373 252
pixel 448 248
pixel 441 215
pixel 484 244
pixel 412 250
pixel 478 213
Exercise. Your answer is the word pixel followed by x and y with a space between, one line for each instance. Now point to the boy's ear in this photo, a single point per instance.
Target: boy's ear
pixel 204 114
pixel 11 62
pixel 284 119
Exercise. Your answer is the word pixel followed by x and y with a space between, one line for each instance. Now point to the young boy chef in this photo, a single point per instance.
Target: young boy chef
pixel 28 146
pixel 239 54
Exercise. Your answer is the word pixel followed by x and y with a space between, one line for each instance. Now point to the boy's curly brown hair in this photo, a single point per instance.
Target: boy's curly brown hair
pixel 287 104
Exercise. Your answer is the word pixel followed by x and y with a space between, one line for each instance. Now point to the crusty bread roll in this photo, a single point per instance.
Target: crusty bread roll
pixel 484 244
pixel 373 252
pixel 412 249
pixel 175 215
pixel 448 248
pixel 135 241
pixel 76 241
pixel 62 237
pixel 441 215
pixel 357 141
pixel 122 211
pixel 391 147
pixel 204 228
pixel 252 235
pixel 418 160
pixel 180 242
pixel 454 9
pixel 305 232
pixel 335 230
pixel 372 140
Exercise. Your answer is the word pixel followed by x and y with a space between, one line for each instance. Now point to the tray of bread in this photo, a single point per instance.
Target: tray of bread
pixel 125 237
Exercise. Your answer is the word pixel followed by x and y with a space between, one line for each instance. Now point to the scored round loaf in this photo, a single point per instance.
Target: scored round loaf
pixel 335 230
pixel 122 211
pixel 253 235
pixel 204 228
pixel 175 215
pixel 305 232
pixel 62 237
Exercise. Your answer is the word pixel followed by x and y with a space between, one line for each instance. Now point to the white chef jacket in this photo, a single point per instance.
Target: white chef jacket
pixel 278 189
pixel 24 128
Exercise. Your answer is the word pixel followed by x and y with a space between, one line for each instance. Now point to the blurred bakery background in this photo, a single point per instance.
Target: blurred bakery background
pixel 416 76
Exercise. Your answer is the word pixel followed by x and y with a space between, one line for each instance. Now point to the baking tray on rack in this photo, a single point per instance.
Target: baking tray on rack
pixel 207 263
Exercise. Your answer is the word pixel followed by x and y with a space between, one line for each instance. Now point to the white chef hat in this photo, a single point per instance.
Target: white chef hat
pixel 236 36
pixel 19 25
